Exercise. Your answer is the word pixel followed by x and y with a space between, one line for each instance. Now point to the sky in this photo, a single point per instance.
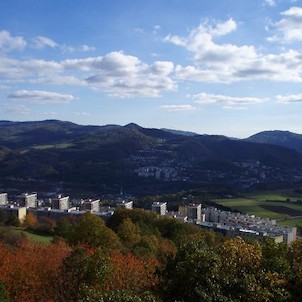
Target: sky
pixel 231 67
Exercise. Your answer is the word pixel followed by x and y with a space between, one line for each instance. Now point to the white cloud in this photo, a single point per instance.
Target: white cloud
pixel 41 42
pixel 86 48
pixel 234 107
pixel 125 76
pixel 22 109
pixel 116 73
pixel 81 113
pixel 214 62
pixel 9 43
pixel 200 41
pixel 204 98
pixel 41 97
pixel 293 98
pixel 270 2
pixel 172 108
pixel 289 27
pixel 156 28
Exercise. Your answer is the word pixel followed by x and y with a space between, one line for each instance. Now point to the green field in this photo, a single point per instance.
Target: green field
pixel 57 146
pixel 273 205
pixel 31 236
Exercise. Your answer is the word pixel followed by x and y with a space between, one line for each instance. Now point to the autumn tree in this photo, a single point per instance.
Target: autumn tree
pixel 136 275
pixel 244 276
pixel 129 233
pixel 83 274
pixel 92 231
pixel 30 220
pixel 30 271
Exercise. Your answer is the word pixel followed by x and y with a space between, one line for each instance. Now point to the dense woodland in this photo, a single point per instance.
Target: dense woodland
pixel 138 256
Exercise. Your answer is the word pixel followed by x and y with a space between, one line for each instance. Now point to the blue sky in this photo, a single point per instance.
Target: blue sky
pixel 228 67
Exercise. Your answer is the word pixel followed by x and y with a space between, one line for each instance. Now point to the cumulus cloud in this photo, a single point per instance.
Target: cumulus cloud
pixel 213 62
pixel 293 98
pixel 200 42
pixel 115 73
pixel 125 76
pixel 289 27
pixel 41 42
pixel 172 108
pixel 205 98
pixel 9 43
pixel 41 97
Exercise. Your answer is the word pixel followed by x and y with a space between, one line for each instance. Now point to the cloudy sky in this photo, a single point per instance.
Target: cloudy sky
pixel 228 67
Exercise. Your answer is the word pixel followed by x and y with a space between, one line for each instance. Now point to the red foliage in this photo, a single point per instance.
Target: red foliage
pixel 131 273
pixel 29 272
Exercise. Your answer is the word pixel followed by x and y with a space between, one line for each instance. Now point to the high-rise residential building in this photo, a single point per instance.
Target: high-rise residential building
pixel 194 212
pixel 90 205
pixel 60 203
pixel 160 208
pixel 125 205
pixel 3 199
pixel 27 200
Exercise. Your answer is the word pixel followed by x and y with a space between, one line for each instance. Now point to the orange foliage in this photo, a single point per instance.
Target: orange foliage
pixel 30 271
pixel 132 273
pixel 30 220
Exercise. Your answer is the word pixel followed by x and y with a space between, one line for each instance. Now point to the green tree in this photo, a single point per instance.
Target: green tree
pixel 3 217
pixel 83 274
pixel 194 275
pixel 3 296
pixel 129 233
pixel 92 231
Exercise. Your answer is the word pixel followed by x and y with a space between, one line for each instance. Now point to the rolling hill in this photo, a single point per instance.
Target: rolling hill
pixel 281 138
pixel 109 155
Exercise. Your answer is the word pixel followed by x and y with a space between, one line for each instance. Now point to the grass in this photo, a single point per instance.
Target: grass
pixel 291 222
pixel 56 146
pixel 31 236
pixel 268 204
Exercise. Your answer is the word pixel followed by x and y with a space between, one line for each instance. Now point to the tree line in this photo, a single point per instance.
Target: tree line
pixel 138 256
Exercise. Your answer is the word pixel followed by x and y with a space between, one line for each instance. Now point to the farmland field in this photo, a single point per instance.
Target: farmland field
pixel 287 209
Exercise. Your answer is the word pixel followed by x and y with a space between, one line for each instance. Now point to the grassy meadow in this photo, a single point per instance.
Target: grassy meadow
pixel 282 206
pixel 31 236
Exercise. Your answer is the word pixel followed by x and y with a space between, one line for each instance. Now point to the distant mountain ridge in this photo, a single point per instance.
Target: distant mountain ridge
pixel 277 137
pixel 109 155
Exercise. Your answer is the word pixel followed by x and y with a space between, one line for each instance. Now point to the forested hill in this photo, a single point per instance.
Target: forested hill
pixel 280 138
pixel 65 151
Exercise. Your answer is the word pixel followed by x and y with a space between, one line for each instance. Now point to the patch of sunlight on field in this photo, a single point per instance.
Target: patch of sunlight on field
pixel 33 237
pixel 269 209
pixel 57 146
pixel 291 222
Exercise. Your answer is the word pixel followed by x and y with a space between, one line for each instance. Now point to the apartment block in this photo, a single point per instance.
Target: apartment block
pixel 159 208
pixel 27 200
pixel 125 205
pixel 60 203
pixel 3 199
pixel 90 205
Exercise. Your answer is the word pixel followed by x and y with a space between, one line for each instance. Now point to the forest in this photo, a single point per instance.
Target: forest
pixel 138 256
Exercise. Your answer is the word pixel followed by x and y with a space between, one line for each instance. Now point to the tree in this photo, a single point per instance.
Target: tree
pixel 30 220
pixel 3 217
pixel 129 233
pixel 244 277
pixel 130 273
pixel 194 275
pixel 29 272
pixel 83 274
pixel 92 231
